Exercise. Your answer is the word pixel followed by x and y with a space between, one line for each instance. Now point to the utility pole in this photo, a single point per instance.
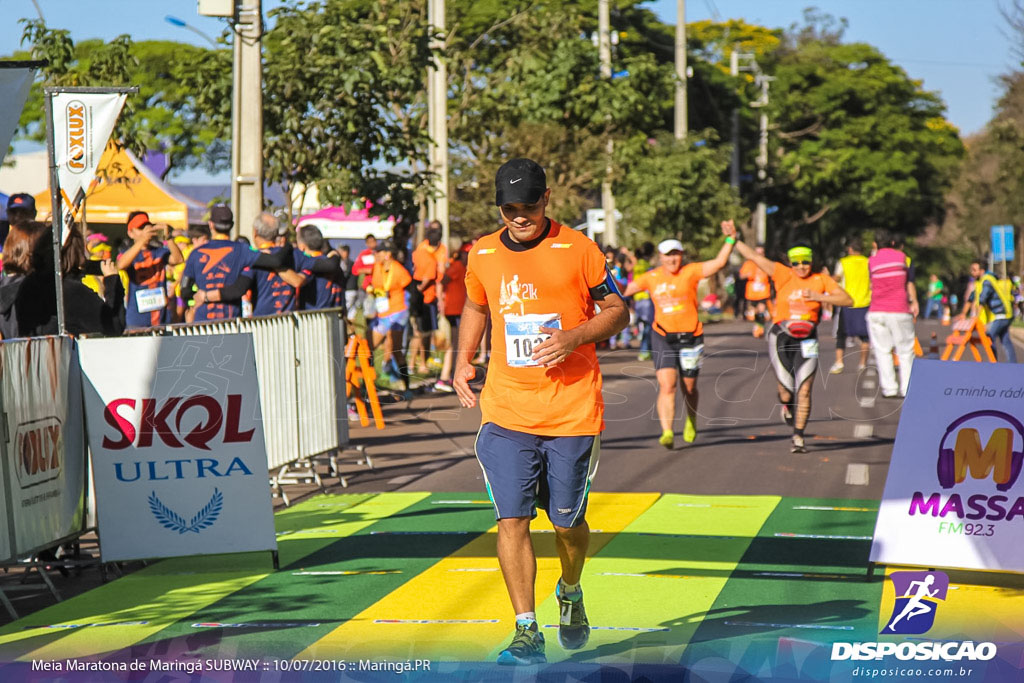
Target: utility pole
pixel 604 48
pixel 681 122
pixel 734 169
pixel 761 214
pixel 247 116
pixel 437 114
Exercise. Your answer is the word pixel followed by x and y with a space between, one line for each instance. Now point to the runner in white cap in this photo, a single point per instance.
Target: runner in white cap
pixel 677 337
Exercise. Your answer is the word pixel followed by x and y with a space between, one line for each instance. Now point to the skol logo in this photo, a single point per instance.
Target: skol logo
pixel 917 596
pixel 39 445
pixel 75 113
pixel 198 420
pixel 998 459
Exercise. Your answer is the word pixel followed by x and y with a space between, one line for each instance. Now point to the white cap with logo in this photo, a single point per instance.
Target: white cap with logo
pixel 669 246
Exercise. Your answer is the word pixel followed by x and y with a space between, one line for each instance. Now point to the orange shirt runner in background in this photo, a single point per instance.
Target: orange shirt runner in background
pixel 455 290
pixel 790 303
pixel 758 282
pixel 675 298
pixel 425 267
pixel 551 279
pixel 390 283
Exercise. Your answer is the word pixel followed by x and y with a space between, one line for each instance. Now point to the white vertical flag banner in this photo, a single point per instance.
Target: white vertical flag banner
pixel 178 451
pixel 82 124
pixel 14 86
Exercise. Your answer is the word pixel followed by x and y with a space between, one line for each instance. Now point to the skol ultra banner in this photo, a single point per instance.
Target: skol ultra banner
pixel 45 446
pixel 82 124
pixel 178 452
pixel 954 496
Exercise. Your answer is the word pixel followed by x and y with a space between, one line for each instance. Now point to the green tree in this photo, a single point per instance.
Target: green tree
pixel 857 144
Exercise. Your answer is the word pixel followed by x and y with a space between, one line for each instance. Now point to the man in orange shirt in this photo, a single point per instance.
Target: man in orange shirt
pixel 386 287
pixel 454 282
pixel 758 293
pixel 793 338
pixel 426 273
pixel 542 411
pixel 677 336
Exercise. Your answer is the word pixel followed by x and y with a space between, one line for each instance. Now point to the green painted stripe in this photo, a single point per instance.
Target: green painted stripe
pixel 174 589
pixel 808 589
pixel 400 546
pixel 667 566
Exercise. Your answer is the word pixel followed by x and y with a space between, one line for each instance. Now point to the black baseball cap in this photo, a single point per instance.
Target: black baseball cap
pixel 220 215
pixel 519 181
pixel 22 202
pixel 384 245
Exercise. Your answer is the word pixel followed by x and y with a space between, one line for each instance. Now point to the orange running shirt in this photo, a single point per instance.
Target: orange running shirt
pixel 425 267
pixel 675 297
pixel 455 290
pixel 390 283
pixel 551 278
pixel 789 301
pixel 758 282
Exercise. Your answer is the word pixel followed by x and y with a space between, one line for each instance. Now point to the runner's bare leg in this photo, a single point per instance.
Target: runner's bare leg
pixel 518 563
pixel 572 543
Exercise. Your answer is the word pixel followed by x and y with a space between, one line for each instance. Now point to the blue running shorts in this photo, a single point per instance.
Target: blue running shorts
pixel 525 471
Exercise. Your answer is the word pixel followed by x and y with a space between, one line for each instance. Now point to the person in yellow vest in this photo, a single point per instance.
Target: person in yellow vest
pixel 992 302
pixel 853 275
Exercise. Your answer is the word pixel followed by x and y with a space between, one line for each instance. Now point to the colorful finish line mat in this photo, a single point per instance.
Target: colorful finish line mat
pixel 697 588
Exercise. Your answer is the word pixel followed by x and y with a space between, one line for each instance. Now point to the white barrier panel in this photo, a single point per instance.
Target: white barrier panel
pixel 274 340
pixel 45 446
pixel 954 496
pixel 179 457
pixel 319 356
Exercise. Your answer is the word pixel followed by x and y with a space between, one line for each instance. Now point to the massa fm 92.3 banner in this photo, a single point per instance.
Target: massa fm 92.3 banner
pixel 178 452
pixel 954 496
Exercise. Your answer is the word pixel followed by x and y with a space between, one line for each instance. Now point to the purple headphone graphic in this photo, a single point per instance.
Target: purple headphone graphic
pixel 947 457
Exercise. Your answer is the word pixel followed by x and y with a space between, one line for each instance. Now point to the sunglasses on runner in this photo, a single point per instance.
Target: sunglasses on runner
pixel 799 263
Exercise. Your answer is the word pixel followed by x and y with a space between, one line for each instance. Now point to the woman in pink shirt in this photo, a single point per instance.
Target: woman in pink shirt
pixel 891 314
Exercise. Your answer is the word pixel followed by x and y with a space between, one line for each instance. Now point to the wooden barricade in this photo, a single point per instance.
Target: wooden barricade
pixel 360 377
pixel 969 332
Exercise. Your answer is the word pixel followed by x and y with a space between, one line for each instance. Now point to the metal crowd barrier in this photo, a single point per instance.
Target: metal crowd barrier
pixel 300 364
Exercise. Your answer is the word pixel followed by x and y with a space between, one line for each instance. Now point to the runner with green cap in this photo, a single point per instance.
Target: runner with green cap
pixel 793 338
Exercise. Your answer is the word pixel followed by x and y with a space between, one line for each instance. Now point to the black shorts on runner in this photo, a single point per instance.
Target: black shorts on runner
pixel 794 360
pixel 683 352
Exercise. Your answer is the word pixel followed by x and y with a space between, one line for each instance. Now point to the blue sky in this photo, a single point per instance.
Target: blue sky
pixel 956 47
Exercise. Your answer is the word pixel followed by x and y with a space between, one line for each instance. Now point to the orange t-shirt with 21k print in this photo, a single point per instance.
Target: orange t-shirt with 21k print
pixel 675 297
pixel 790 303
pixel 550 278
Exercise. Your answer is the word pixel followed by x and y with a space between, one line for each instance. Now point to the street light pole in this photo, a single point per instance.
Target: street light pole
pixel 604 48
pixel 437 113
pixel 181 23
pixel 247 116
pixel 681 122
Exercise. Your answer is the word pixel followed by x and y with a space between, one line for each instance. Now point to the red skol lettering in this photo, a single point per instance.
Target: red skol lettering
pixel 153 420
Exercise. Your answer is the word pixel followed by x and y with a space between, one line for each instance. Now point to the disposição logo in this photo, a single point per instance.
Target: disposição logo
pixel 917 599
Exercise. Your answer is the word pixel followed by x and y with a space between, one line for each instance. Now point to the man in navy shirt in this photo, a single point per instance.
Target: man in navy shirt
pixel 145 265
pixel 325 290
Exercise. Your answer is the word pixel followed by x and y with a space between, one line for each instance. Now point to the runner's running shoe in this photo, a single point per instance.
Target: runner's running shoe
pixel 442 385
pixel 787 414
pixel 690 430
pixel 667 438
pixel 643 355
pixel 798 444
pixel 527 646
pixel 836 369
pixel 573 627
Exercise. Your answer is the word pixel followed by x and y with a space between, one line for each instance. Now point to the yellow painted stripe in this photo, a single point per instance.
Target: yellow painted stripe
pixel 173 589
pixel 979 606
pixel 448 592
pixel 701 538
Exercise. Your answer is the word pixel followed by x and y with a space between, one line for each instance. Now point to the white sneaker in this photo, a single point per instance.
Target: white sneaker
pixel 836 368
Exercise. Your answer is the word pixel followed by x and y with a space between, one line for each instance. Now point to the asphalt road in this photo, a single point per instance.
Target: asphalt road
pixel 742 446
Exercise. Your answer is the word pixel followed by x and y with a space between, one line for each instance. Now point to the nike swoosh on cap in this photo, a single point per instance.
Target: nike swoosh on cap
pixel 513 182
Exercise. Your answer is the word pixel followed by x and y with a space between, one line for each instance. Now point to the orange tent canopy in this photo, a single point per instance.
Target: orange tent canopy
pixel 123 184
